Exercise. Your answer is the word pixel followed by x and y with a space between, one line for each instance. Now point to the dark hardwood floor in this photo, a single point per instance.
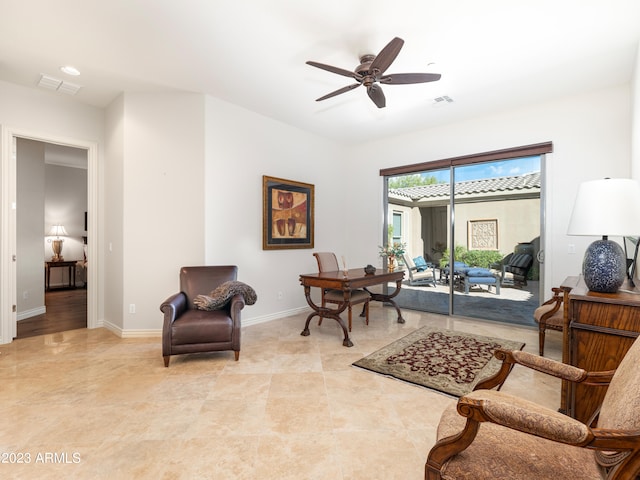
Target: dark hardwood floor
pixel 66 310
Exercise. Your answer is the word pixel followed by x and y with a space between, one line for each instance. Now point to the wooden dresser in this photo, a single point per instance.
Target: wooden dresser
pixel 601 328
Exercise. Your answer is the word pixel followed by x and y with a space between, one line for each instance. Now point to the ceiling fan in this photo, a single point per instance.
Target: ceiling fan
pixel 370 73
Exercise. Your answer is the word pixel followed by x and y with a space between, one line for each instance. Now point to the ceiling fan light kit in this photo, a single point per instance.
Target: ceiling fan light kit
pixel 370 73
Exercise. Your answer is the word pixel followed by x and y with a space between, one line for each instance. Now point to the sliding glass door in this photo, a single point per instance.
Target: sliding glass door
pixel 477 227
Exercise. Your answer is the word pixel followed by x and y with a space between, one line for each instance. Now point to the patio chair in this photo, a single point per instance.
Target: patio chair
pixel 515 269
pixel 420 275
pixel 459 268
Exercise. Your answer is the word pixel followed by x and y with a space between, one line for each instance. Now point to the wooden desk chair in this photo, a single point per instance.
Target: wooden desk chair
pixel 327 262
pixel 550 316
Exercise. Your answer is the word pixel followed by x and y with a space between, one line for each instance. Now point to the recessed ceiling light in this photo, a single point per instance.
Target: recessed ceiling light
pixel 69 70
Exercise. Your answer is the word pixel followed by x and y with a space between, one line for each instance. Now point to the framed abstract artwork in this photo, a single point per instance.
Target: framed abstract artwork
pixel 287 214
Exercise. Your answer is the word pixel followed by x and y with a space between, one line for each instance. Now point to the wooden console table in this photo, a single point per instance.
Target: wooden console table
pixel 71 265
pixel 601 328
pixel 352 280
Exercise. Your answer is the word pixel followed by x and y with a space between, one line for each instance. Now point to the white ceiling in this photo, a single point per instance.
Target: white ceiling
pixel 492 54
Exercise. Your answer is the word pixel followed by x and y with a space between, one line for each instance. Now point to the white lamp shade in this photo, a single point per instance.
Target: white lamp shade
pixel 607 207
pixel 58 231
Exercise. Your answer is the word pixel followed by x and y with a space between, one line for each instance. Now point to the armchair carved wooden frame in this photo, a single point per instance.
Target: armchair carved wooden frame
pixel 491 434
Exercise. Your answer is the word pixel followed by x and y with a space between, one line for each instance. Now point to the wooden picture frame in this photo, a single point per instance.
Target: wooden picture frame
pixel 287 214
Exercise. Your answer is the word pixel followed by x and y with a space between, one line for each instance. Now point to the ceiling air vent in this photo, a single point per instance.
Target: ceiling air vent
pixel 69 88
pixel 442 101
pixel 51 83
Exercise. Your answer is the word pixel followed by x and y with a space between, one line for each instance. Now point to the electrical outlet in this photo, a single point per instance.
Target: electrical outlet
pixel 25 295
pixel 132 308
pixel 280 295
pixel 571 248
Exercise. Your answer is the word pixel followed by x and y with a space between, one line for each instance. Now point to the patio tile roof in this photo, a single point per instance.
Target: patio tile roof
pixel 529 181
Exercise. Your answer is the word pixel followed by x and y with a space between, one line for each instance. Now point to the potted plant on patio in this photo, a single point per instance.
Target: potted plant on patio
pixel 391 252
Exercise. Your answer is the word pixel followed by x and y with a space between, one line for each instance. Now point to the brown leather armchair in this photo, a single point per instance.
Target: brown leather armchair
pixel 491 434
pixel 190 330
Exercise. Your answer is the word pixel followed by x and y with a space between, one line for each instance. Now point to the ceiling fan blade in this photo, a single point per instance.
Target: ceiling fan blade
pixel 405 78
pixel 339 71
pixel 386 56
pixel 375 93
pixel 338 92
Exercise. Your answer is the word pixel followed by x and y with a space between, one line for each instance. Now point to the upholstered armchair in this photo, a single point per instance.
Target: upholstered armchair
pixel 189 329
pixel 491 434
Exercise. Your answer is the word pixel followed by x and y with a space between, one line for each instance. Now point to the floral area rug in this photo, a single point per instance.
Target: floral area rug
pixel 443 360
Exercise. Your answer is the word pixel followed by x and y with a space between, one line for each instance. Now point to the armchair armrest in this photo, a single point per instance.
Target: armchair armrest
pixel 236 304
pixel 174 306
pixel 542 364
pixel 525 416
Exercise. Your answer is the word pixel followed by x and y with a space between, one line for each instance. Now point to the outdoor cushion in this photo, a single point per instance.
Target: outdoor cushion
pixel 421 264
pixel 479 272
pixel 520 260
pixel 459 267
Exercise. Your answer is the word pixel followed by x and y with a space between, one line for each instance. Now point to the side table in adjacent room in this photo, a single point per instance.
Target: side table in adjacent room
pixel 71 265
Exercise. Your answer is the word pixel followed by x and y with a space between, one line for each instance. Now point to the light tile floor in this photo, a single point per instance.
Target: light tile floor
pixel 87 404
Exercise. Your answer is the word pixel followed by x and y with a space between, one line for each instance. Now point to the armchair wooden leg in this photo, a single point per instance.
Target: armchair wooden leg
pixel 237 354
pixel 166 360
pixel 541 340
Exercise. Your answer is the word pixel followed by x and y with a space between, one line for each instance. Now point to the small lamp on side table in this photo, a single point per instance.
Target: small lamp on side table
pixel 607 207
pixel 56 244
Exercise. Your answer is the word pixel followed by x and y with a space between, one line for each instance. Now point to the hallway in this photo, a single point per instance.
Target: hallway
pixel 66 310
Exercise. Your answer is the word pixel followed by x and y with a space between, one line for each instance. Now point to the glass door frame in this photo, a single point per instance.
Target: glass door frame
pixel 540 149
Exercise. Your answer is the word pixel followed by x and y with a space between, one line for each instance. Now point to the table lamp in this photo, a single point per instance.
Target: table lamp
pixel 607 207
pixel 56 244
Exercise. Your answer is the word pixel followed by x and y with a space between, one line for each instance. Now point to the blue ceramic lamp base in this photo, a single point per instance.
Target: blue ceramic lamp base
pixel 604 266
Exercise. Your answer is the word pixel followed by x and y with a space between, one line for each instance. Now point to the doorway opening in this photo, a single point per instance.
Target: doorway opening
pixel 51 237
pixel 8 227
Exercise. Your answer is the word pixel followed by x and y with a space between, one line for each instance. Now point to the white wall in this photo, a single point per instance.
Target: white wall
pixel 242 147
pixel 162 200
pixel 65 204
pixel 591 139
pixel 635 120
pixel 112 207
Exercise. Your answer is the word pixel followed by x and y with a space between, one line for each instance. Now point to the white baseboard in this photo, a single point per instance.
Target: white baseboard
pixel 147 333
pixel 274 316
pixel 132 333
pixel 31 313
